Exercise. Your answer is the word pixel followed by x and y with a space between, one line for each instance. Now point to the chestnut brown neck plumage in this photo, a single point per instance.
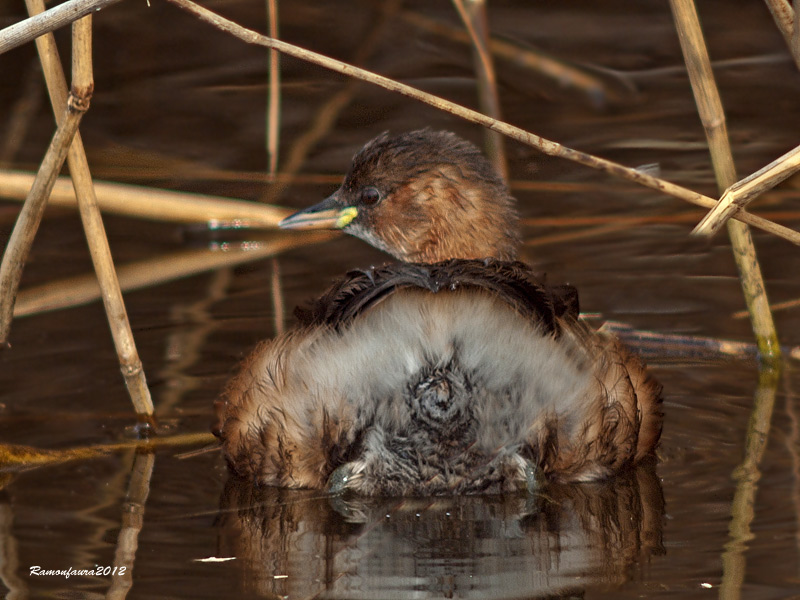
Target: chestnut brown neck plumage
pixel 423 196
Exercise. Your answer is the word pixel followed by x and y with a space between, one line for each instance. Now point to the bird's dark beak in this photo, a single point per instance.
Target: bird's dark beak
pixel 328 214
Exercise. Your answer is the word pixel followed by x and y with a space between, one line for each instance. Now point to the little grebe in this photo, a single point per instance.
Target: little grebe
pixel 453 371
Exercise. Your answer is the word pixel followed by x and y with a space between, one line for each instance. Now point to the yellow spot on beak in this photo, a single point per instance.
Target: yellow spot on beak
pixel 346 215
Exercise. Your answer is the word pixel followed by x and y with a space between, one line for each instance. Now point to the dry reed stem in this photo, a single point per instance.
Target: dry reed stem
pixel 709 107
pixel 785 18
pixel 82 289
pixel 21 239
pixel 473 14
pixel 155 204
pixel 273 93
pixel 565 75
pixel 546 146
pixel 746 475
pixel 130 364
pixel 132 523
pixel 741 193
pixel 47 21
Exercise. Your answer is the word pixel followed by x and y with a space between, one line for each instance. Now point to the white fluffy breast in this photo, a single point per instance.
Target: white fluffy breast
pixel 372 361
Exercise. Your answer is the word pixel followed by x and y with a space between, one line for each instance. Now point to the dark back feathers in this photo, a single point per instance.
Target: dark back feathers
pixel 512 282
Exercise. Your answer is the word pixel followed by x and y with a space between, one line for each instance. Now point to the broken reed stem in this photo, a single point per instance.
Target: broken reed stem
pixel 47 21
pixel 543 145
pixel 273 92
pixel 19 244
pixel 785 18
pixel 130 364
pixel 476 21
pixel 712 116
pixel 744 191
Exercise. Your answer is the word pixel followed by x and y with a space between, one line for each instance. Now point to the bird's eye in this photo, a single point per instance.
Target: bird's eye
pixel 370 196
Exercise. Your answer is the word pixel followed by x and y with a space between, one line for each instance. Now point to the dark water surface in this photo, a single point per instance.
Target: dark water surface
pixel 180 106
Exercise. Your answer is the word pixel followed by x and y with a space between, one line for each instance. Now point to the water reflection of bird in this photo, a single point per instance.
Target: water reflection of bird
pixel 564 544
pixel 453 371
